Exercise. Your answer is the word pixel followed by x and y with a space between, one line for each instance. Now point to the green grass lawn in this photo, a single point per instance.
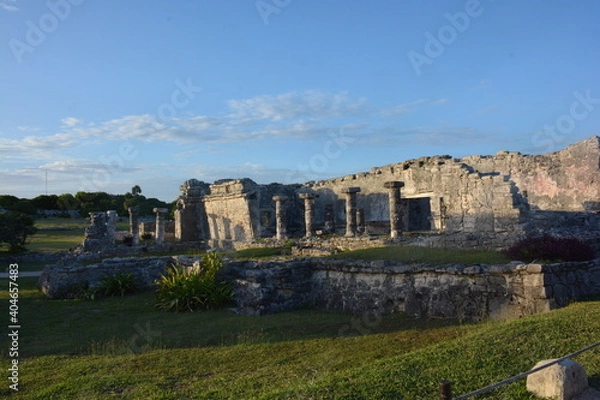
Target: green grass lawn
pixel 124 348
pixel 59 234
pixel 415 254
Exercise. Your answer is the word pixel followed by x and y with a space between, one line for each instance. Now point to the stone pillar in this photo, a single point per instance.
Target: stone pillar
pixel 134 227
pixel 351 210
pixel 160 224
pixel 111 226
pixel 360 221
pixel 395 210
pixel 308 200
pixel 280 222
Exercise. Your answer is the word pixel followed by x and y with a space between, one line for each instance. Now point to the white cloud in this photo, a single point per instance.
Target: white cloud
pixel 409 108
pixel 442 136
pixel 36 144
pixel 308 104
pixel 71 121
pixel 439 102
pixel 9 5
pixel 25 128
pixel 77 167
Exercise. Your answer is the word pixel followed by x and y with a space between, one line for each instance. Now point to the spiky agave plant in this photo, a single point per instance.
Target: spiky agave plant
pixel 183 289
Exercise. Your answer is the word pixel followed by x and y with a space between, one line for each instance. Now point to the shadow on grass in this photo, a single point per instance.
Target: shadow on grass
pixel 131 324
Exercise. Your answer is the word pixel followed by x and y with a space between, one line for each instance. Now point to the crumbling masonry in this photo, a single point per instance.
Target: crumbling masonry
pixel 477 201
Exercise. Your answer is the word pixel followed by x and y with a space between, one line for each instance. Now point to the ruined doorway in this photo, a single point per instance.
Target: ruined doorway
pixel 417 214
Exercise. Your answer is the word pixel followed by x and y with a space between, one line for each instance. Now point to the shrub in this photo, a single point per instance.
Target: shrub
pixel 118 284
pixel 550 248
pixel 183 289
pixel 15 227
pixel 147 236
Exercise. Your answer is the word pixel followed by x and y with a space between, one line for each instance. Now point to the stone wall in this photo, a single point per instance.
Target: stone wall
pixel 567 180
pixel 62 281
pixel 486 201
pixel 452 291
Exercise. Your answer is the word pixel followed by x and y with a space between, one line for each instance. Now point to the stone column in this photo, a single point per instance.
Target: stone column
pixel 280 222
pixel 395 210
pixel 160 224
pixel 308 200
pixel 134 227
pixel 111 225
pixel 360 221
pixel 351 210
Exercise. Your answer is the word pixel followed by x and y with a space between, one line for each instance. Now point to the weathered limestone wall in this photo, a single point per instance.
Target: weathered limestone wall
pixel 69 281
pixel 268 287
pixel 228 210
pixel 101 232
pixel 477 201
pixel 190 217
pixel 451 291
pixel 440 194
pixel 567 180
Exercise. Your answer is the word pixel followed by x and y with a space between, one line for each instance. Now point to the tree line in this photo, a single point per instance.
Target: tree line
pixel 84 203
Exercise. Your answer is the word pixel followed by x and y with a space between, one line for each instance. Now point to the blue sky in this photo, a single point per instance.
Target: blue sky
pixel 103 95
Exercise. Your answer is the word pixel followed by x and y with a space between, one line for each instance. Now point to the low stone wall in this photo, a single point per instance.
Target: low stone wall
pixel 471 293
pixel 453 291
pixel 68 281
pixel 267 287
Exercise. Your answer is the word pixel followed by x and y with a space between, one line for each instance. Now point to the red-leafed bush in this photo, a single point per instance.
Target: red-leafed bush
pixel 550 248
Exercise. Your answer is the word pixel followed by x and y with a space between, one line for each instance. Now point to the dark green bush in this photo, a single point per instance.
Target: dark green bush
pixel 15 228
pixel 550 248
pixel 118 284
pixel 183 289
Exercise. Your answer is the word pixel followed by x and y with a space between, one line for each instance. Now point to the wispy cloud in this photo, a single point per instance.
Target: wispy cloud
pixel 296 115
pixel 439 102
pixel 78 167
pixel 308 104
pixel 37 143
pixel 71 121
pixel 442 136
pixel 409 108
pixel 9 5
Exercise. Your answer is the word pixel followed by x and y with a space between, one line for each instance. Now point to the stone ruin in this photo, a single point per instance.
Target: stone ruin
pixel 102 234
pixel 473 202
pixel 485 202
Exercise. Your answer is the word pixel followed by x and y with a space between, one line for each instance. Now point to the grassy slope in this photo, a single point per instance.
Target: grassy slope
pixel 122 348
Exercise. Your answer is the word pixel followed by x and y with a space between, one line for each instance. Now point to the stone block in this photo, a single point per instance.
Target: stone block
pixel 562 381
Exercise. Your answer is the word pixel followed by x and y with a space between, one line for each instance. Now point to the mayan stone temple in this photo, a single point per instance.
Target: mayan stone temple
pixel 473 202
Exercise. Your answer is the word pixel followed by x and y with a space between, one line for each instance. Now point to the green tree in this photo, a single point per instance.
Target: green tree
pixel 67 202
pixel 46 202
pixel 8 202
pixel 25 206
pixel 15 227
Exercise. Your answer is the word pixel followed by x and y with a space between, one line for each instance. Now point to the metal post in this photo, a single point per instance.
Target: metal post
pixel 445 390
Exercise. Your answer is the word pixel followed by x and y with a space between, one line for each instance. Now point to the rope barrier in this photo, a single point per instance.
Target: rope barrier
pixel 523 375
